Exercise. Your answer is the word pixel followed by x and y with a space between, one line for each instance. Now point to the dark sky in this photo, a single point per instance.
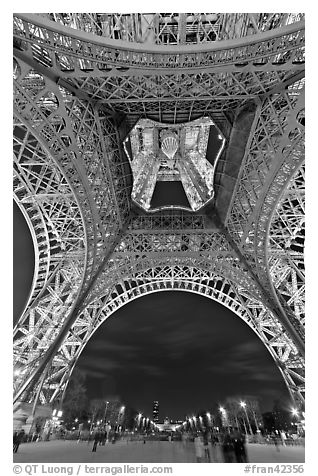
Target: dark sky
pixel 182 349
pixel 23 262
pixel 169 193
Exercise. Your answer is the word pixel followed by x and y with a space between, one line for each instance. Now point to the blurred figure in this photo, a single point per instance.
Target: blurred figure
pixel 283 437
pixel 17 439
pixel 239 446
pixel 206 447
pixel 214 446
pixel 199 448
pixel 97 437
pixel 103 437
pixel 228 448
pixel 275 439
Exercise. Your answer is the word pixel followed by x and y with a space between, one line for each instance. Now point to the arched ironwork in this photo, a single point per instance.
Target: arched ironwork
pixel 77 96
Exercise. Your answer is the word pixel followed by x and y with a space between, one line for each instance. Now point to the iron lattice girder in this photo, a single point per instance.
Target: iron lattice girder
pixel 188 96
pixel 286 247
pixel 214 87
pixel 174 28
pixel 47 113
pixel 47 202
pixel 206 251
pixel 278 134
pixel 156 91
pixel 73 134
pixel 67 49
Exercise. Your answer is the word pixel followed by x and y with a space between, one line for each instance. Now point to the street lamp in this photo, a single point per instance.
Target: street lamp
pixel 194 418
pixel 106 406
pixel 295 417
pixel 209 419
pixel 225 421
pixel 243 405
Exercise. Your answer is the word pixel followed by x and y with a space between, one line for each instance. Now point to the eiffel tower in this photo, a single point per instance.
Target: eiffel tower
pixel 111 108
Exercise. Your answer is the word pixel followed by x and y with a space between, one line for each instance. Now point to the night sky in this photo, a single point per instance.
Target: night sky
pixel 182 349
pixel 23 262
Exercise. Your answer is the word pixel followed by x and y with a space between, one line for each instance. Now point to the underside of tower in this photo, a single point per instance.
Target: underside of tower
pixel 158 152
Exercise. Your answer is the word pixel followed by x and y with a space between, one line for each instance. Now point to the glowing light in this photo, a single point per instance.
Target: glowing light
pixel 154 156
pixel 294 412
pixel 243 404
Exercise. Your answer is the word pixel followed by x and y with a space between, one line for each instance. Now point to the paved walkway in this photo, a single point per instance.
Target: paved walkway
pixel 58 451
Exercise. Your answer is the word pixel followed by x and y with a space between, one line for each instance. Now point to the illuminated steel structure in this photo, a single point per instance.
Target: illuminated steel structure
pixel 81 84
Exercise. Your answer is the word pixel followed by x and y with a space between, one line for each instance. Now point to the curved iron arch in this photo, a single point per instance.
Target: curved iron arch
pixel 225 293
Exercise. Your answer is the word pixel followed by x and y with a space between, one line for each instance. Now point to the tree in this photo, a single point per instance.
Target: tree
pixel 97 409
pixel 281 416
pixel 75 400
pixel 269 422
pixel 130 418
pixel 232 405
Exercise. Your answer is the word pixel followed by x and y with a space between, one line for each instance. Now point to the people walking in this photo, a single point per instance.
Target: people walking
pixel 97 437
pixel 276 442
pixel 207 457
pixel 17 439
pixel 199 449
pixel 239 446
pixel 214 448
pixel 228 448
pixel 104 436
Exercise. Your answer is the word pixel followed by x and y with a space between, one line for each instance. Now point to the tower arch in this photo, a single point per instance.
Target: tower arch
pixel 81 90
pixel 208 284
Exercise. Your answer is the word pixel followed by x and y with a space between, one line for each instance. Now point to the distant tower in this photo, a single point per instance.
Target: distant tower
pixel 155 411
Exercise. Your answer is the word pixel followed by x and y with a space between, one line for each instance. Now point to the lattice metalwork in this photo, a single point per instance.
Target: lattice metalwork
pixel 78 93
pixel 174 28
pixel 276 151
pixel 186 278
pixel 54 217
pixel 286 247
pixel 173 86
